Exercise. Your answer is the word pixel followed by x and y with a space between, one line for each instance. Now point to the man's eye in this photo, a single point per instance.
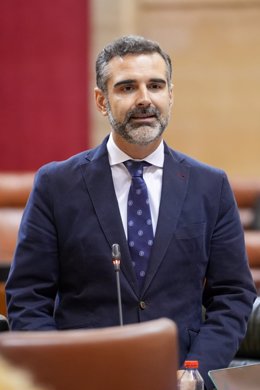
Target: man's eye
pixel 155 86
pixel 127 88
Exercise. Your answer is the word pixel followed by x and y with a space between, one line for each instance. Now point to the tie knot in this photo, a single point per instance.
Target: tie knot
pixel 136 167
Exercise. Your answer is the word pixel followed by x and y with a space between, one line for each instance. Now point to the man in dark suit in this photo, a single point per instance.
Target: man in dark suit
pixel 62 275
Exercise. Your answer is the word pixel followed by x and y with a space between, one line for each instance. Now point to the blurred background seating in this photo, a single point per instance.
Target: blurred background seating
pixel 247 194
pixel 96 359
pixel 15 188
pixel 13 378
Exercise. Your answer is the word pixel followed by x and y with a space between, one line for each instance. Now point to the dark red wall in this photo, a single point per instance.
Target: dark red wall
pixel 44 47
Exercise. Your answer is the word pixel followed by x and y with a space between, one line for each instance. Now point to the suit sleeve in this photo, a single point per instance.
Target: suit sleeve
pixel 229 291
pixel 33 279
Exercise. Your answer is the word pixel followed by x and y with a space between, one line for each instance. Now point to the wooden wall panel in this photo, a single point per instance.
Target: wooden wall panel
pixel 215 47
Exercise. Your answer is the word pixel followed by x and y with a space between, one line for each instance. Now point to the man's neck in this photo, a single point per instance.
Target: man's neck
pixel 136 151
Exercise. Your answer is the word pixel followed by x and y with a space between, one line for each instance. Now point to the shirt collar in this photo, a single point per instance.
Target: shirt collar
pixel 117 156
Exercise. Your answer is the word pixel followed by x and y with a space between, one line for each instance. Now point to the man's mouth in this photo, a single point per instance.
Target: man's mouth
pixel 143 117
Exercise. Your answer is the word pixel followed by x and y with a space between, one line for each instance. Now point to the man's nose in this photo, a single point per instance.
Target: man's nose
pixel 143 97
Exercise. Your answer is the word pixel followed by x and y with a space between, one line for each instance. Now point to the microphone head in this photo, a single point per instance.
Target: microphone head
pixel 116 254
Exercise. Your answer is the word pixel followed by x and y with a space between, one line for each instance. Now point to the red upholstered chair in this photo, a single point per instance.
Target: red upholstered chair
pixel 252 239
pixel 15 188
pixel 133 357
pixel 247 194
pixel 14 191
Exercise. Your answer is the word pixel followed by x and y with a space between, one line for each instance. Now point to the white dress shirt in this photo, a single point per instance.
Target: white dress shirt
pixel 122 179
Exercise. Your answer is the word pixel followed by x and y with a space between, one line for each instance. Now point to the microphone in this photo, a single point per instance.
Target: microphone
pixel 116 259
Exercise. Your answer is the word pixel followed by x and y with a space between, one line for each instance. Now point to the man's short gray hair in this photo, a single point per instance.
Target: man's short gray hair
pixel 130 44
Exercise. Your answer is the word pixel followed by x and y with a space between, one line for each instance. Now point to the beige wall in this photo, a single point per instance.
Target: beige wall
pixel 215 47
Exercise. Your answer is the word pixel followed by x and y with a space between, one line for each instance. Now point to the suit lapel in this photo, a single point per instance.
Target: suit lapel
pixel 174 188
pixel 99 182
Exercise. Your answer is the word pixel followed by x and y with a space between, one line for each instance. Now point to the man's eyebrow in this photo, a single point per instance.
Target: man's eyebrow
pixel 156 80
pixel 132 81
pixel 124 82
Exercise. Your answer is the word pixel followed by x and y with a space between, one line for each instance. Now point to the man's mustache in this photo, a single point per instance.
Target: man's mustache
pixel 142 112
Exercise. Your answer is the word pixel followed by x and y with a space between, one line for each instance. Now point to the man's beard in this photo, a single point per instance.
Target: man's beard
pixel 140 134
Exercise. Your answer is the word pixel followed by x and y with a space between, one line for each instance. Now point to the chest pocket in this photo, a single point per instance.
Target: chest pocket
pixel 190 238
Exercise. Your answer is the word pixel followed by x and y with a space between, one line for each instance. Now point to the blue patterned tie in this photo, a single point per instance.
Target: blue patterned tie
pixel 139 222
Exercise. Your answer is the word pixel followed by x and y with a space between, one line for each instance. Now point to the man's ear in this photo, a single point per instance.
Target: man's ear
pixel 171 95
pixel 100 101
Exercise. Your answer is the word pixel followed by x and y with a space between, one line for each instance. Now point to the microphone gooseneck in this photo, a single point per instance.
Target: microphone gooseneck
pixel 116 256
pixel 116 259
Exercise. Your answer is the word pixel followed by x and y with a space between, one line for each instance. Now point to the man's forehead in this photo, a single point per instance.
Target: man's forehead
pixel 135 66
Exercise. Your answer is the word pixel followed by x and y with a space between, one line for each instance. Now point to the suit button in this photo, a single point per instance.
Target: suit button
pixel 142 305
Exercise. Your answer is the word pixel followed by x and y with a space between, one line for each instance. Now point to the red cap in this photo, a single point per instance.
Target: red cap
pixel 191 364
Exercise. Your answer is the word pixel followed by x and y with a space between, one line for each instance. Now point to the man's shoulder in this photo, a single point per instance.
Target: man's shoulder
pixel 73 162
pixel 63 166
pixel 194 163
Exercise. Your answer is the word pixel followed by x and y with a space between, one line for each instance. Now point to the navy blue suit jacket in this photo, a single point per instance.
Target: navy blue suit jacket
pixel 62 276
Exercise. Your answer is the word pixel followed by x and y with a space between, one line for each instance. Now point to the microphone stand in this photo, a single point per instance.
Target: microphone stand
pixel 116 259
